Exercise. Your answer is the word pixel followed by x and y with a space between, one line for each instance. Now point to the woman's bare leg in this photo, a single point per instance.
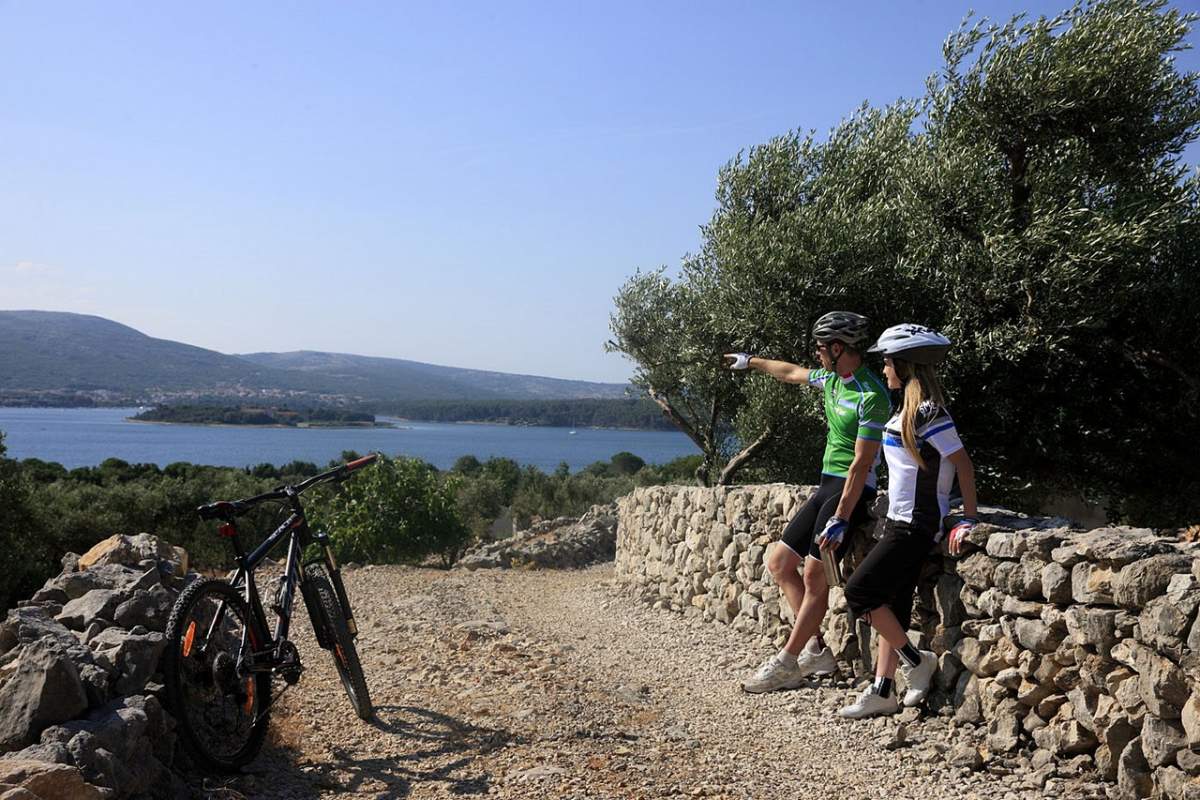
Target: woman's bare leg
pixel 891 638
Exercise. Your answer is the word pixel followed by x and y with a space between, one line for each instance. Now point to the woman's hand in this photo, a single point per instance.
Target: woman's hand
pixel 959 532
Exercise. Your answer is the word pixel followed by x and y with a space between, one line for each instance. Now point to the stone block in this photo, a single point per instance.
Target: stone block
pixel 44 689
pixel 1038 636
pixel 1091 583
pixel 977 570
pixel 1092 626
pixel 43 780
pixel 1006 544
pixel 1056 584
pixel 1162 739
pixel 1133 773
pixel 1140 581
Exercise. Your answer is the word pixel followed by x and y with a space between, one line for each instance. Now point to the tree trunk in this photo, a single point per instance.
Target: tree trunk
pixel 1017 154
pixel 705 443
pixel 742 458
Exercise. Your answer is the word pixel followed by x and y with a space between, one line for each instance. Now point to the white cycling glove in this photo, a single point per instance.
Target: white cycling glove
pixel 740 360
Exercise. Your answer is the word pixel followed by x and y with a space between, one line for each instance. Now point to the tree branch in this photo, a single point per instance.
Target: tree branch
pixel 712 422
pixel 1017 154
pixel 740 460
pixel 676 418
pixel 1154 357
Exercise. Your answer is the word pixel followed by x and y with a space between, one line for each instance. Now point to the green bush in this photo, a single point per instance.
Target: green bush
pixel 29 557
pixel 399 510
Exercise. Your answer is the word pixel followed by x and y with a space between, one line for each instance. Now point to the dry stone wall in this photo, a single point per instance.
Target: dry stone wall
pixel 562 543
pixel 79 710
pixel 1062 642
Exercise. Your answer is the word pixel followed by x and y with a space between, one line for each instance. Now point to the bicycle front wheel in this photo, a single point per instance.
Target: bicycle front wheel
pixel 220 703
pixel 329 618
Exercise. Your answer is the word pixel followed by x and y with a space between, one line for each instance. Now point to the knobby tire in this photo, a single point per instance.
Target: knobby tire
pixel 345 654
pixel 186 712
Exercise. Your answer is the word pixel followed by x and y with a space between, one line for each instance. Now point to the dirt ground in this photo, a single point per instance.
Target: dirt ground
pixel 554 684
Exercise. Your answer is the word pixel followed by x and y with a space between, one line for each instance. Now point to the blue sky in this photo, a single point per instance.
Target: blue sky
pixel 465 184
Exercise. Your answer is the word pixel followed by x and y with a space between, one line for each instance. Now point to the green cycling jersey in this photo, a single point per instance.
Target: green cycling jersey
pixel 857 406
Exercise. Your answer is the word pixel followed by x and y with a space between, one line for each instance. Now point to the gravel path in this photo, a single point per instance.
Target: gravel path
pixel 553 684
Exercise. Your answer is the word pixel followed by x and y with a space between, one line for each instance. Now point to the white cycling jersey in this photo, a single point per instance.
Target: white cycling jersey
pixel 919 496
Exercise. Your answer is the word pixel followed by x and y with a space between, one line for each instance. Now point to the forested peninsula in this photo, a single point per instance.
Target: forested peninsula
pixel 598 413
pixel 260 416
pixel 595 413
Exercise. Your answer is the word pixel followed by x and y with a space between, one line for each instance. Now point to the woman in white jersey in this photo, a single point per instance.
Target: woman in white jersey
pixel 923 455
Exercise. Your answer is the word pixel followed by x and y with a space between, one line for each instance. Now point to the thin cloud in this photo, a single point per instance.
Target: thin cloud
pixel 30 268
pixel 35 284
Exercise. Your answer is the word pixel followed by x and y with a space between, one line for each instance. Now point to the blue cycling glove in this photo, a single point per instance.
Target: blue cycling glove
pixel 835 531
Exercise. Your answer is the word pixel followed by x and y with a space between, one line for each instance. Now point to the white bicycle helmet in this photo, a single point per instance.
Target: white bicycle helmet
pixel 914 343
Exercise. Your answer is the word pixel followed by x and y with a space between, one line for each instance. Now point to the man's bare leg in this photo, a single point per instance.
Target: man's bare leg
pixel 812 609
pixel 783 564
pixel 811 594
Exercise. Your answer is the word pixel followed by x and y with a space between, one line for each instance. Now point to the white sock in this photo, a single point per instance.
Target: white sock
pixel 813 647
pixel 787 658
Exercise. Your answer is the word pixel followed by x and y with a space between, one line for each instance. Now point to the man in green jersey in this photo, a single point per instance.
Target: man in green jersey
pixel 857 406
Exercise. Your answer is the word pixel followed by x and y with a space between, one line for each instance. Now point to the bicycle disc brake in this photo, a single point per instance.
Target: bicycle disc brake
pixel 289 667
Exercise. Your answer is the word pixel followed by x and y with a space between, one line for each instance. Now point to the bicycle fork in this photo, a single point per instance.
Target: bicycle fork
pixel 335 576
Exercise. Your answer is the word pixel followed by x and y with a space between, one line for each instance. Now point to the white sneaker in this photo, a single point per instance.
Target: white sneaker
pixel 821 663
pixel 774 675
pixel 918 678
pixel 870 704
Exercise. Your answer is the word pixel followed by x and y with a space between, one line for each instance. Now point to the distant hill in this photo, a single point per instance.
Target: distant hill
pixel 42 350
pixel 48 351
pixel 396 378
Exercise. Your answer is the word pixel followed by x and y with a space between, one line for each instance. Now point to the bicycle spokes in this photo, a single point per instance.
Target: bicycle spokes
pixel 217 674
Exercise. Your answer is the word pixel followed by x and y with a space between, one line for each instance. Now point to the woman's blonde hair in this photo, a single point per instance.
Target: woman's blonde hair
pixel 921 385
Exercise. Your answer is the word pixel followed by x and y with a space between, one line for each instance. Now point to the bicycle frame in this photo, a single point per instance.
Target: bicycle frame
pixel 295 529
pixel 298 535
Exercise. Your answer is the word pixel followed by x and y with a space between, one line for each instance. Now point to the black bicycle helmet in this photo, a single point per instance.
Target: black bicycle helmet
pixel 914 343
pixel 841 326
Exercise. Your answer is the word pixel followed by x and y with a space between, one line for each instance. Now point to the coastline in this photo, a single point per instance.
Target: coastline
pixel 299 426
pixel 405 420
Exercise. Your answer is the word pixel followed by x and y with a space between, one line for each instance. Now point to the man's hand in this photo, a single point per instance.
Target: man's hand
pixel 738 361
pixel 960 532
pixel 835 531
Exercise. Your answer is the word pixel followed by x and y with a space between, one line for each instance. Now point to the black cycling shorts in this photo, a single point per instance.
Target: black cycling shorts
pixel 801 533
pixel 888 575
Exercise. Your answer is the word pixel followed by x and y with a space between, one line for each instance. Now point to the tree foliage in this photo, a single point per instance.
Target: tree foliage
pixel 29 556
pixel 398 511
pixel 1032 206
pixel 666 327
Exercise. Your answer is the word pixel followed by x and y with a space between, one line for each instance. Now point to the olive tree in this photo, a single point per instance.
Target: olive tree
pixel 1066 249
pixel 1032 205
pixel 667 329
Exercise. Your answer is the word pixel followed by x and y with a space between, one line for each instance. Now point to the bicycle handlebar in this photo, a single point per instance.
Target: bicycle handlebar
pixel 228 509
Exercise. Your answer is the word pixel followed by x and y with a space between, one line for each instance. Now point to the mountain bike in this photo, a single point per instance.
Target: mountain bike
pixel 219 661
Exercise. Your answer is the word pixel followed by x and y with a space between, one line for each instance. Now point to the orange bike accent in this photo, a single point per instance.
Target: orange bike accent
pixel 189 638
pixel 248 706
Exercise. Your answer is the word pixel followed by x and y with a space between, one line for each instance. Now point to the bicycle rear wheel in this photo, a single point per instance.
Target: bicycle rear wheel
pixel 329 624
pixel 221 706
